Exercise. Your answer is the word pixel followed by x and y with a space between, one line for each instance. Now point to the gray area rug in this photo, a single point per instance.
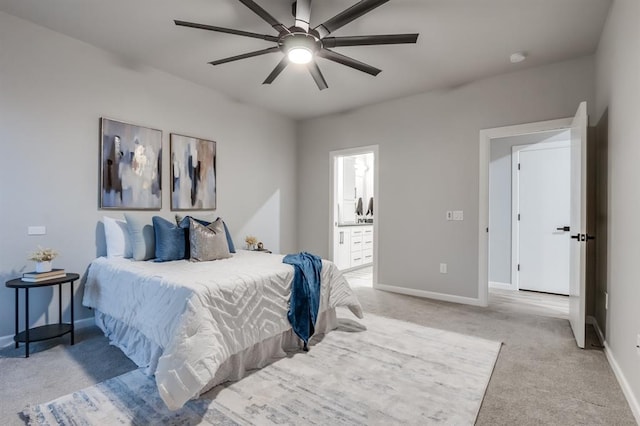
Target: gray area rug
pixel 374 371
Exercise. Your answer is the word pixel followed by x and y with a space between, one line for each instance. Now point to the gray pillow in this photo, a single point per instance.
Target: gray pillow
pixel 143 241
pixel 207 242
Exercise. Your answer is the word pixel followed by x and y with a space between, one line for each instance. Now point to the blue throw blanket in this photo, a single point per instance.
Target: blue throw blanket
pixel 305 293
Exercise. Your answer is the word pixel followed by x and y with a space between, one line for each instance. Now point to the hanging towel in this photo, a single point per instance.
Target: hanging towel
pixel 305 294
pixel 359 207
pixel 370 207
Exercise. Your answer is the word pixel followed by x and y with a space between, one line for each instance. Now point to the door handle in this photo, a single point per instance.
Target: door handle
pixel 564 228
pixel 576 237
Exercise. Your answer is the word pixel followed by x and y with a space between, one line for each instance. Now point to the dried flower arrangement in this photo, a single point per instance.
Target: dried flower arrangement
pixel 43 255
pixel 251 241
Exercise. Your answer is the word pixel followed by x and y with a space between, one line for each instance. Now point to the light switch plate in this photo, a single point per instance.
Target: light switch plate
pixel 36 230
pixel 443 268
pixel 449 215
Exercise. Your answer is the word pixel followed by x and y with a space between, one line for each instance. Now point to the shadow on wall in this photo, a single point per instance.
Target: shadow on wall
pixel 264 224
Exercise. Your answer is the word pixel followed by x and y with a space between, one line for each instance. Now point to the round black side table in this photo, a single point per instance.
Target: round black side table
pixel 48 331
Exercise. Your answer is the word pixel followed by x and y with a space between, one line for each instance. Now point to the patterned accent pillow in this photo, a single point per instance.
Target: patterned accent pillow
pixel 207 242
pixel 183 222
pixel 170 244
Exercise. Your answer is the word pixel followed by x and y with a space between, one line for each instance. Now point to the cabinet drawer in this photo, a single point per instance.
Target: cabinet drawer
pixel 367 256
pixel 356 259
pixel 357 232
pixel 356 243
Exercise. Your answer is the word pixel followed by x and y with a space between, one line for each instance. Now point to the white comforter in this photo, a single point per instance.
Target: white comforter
pixel 201 313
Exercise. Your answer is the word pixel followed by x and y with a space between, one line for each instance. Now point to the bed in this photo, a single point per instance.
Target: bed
pixel 198 324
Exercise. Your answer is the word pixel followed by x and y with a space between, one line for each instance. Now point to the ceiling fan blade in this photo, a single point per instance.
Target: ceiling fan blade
pixel 277 70
pixel 265 16
pixel 246 55
pixel 317 75
pixel 348 15
pixel 226 30
pixel 350 62
pixel 302 13
pixel 369 40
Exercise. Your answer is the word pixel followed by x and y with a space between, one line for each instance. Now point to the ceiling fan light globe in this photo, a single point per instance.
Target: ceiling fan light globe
pixel 300 55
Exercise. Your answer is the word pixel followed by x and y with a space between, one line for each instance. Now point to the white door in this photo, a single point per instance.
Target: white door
pixel 578 245
pixel 542 202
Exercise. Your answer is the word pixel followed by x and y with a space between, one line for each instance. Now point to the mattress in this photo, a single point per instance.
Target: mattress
pixel 196 315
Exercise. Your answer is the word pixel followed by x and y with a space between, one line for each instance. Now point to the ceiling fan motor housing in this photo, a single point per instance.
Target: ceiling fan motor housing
pixel 299 39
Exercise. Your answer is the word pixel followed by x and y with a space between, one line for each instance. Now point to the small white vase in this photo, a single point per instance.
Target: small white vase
pixel 44 266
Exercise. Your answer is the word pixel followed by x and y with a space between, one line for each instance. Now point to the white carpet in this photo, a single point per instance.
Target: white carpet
pixel 391 373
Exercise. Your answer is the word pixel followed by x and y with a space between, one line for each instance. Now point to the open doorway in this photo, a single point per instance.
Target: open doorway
pixel 529 213
pixel 354 213
pixel 501 285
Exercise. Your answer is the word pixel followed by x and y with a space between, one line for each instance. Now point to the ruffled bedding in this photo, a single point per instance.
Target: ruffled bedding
pixel 191 318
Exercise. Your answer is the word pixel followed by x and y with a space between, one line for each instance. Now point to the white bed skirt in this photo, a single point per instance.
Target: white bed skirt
pixel 145 353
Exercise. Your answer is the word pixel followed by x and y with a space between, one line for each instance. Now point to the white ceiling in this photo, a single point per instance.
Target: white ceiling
pixel 460 41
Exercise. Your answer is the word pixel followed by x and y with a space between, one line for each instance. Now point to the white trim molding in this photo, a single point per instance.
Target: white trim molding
pixel 429 294
pixel 632 399
pixel 502 286
pixel 634 404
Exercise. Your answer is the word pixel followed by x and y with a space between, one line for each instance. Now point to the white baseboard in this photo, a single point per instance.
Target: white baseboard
pixel 634 404
pixel 429 294
pixel 81 323
pixel 502 286
pixel 624 384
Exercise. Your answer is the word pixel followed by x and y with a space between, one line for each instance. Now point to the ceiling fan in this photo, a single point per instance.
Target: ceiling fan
pixel 302 44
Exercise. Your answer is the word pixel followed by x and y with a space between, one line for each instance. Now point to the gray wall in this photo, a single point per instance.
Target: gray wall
pixel 53 91
pixel 429 155
pixel 618 89
pixel 500 187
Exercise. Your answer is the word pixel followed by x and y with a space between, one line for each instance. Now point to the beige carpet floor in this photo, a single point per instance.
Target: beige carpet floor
pixel 541 377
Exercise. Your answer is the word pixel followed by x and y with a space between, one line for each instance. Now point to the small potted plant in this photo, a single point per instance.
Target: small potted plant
pixel 43 258
pixel 251 242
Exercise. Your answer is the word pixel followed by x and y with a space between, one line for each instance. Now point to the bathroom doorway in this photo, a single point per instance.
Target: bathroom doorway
pixel 354 211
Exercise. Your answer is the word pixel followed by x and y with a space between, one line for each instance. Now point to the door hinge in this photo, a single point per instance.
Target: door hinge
pixel 518 267
pixel 518 216
pixel 518 166
pixel 487 229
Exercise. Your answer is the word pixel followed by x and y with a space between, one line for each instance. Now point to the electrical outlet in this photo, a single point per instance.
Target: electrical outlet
pixel 449 215
pixel 443 268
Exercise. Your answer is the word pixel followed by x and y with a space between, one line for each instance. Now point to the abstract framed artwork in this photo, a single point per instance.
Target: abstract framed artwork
pixel 193 173
pixel 131 166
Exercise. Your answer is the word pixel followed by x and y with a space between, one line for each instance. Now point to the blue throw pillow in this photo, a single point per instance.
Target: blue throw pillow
pixel 143 242
pixel 183 222
pixel 170 243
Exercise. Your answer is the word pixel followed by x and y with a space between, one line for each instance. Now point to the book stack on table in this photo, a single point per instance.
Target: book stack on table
pixel 34 277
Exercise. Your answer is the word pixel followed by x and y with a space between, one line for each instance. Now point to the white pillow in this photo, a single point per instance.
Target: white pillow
pixel 117 236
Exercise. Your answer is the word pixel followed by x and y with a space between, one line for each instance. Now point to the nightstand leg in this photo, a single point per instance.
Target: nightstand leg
pixel 17 345
pixel 73 326
pixel 26 322
pixel 59 303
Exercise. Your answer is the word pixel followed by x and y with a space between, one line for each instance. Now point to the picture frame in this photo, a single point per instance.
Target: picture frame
pixel 193 173
pixel 130 166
